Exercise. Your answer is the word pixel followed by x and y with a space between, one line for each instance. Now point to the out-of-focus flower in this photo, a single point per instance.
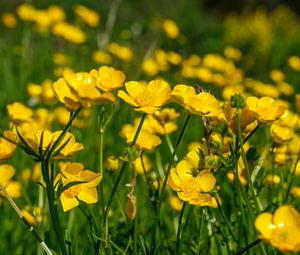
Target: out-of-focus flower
pixel 146 140
pixel 88 16
pixel 79 90
pixel 146 98
pixel 150 67
pixel 192 183
pixel 9 20
pixel 6 148
pixel 297 102
pixel 122 52
pixel 6 173
pixel 26 12
pixel 108 78
pixel 60 59
pixel 19 113
pixel 203 103
pixel 281 134
pixel 176 203
pixel 112 163
pixel 34 215
pixel 43 92
pixel 232 53
pixel 170 28
pixel 282 229
pixel 266 109
pixel 85 188
pixel 294 63
pixel 102 57
pixel 140 166
pixel 277 75
pixel 69 32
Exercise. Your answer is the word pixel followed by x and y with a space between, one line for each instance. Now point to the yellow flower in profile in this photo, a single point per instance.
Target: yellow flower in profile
pixel 192 183
pixel 122 52
pixel 6 173
pixel 170 28
pixel 19 113
pixel 108 78
pixel 67 146
pixel 282 229
pixel 281 134
pixel 203 104
pixel 87 15
pixel 266 109
pixel 79 90
pixel 69 32
pixel 146 98
pixel 9 20
pixel 85 191
pixel 6 149
pixel 102 57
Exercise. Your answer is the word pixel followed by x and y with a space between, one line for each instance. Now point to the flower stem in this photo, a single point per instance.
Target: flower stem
pixel 179 228
pixel 248 247
pixel 122 170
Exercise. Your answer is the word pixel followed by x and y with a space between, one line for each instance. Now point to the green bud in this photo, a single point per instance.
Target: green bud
pixel 237 101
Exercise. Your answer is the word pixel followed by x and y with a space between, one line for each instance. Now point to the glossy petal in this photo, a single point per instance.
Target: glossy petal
pixel 206 180
pixel 68 201
pixel 264 224
pixel 88 195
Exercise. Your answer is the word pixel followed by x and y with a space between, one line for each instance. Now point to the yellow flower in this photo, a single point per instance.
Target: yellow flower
pixel 277 75
pixel 297 101
pixel 150 67
pixel 79 89
pixel 138 165
pixel 67 145
pixel 108 78
pixel 102 57
pixel 19 113
pixel 112 163
pixel 232 53
pixel 87 15
pixel 247 119
pixel 85 191
pixel 281 134
pixel 146 98
pixel 9 20
pixel 294 63
pixel 176 203
pixel 145 141
pixel 203 103
pixel 122 52
pixel 191 183
pixel 6 173
pixel 26 12
pixel 69 32
pixel 282 229
pixel 266 109
pixel 6 149
pixel 170 28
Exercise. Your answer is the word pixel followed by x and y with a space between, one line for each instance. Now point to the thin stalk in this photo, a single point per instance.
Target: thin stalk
pixel 248 247
pixel 28 225
pixel 200 231
pixel 225 220
pixel 135 234
pixel 160 198
pixel 53 207
pixel 179 229
pixel 291 180
pixel 255 198
pixel 122 170
pixel 170 145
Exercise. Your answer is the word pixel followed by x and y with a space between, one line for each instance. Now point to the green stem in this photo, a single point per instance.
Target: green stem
pixel 179 229
pixel 170 145
pixel 248 247
pixel 122 170
pixel 225 220
pixel 160 198
pixel 53 207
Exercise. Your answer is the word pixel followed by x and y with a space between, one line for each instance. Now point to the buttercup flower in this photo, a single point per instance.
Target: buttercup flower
pixel 282 229
pixel 281 134
pixel 79 89
pixel 19 113
pixel 192 183
pixel 146 98
pixel 108 78
pixel 87 15
pixel 139 166
pixel 203 103
pixel 6 173
pixel 170 28
pixel 266 109
pixel 85 191
pixel 9 20
pixel 6 149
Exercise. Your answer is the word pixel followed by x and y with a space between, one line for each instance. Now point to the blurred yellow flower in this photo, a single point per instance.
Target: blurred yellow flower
pixel 191 183
pixel 139 166
pixel 150 67
pixel 282 229
pixel 294 63
pixel 266 109
pixel 79 90
pixel 108 78
pixel 9 20
pixel 102 57
pixel 6 149
pixel 232 53
pixel 88 16
pixel 297 102
pixel 277 75
pixel 6 173
pixel 281 134
pixel 146 98
pixel 170 28
pixel 69 32
pixel 203 104
pixel 19 113
pixel 85 191
pixel 122 52
pixel 175 203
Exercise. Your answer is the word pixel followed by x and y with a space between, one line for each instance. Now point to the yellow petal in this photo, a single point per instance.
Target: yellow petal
pixel 6 172
pixel 73 169
pixel 286 216
pixel 68 201
pixel 88 195
pixel 135 89
pixel 92 179
pixel 264 224
pixel 206 180
pixel 123 95
pixel 160 90
pixel 147 109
